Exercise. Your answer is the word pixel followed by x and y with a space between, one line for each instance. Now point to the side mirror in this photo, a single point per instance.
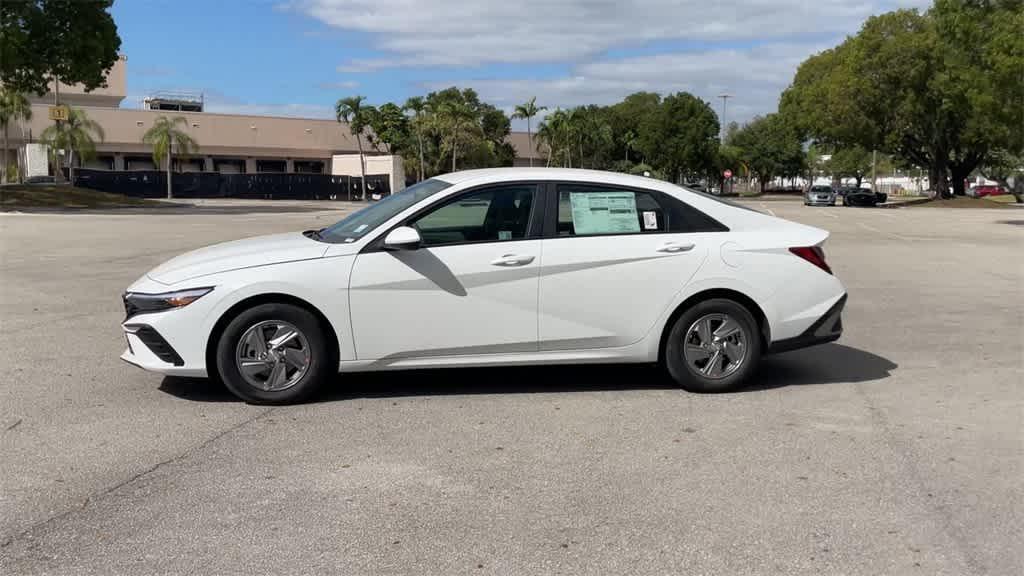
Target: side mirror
pixel 402 238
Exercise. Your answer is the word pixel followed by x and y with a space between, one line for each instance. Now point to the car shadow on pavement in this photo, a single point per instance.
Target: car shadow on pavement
pixel 826 364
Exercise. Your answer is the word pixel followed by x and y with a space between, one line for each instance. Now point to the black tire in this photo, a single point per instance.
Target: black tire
pixel 319 367
pixel 687 376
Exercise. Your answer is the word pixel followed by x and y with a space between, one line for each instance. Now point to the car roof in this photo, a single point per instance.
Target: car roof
pixel 506 174
pixel 733 215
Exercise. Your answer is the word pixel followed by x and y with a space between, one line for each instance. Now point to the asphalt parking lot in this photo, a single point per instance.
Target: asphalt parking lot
pixel 897 450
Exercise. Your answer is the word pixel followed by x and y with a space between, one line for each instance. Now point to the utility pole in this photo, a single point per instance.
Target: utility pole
pixel 874 157
pixel 725 97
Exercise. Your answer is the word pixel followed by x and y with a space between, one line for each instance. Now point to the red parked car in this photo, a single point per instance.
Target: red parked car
pixel 986 190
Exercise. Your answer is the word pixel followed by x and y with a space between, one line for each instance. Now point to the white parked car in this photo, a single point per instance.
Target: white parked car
pixel 493 268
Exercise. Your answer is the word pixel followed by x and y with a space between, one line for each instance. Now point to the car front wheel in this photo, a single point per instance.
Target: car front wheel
pixel 713 347
pixel 273 354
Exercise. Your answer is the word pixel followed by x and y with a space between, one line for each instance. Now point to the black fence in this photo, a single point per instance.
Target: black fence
pixel 153 184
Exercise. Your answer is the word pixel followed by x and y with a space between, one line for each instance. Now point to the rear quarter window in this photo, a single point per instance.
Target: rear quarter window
pixel 587 210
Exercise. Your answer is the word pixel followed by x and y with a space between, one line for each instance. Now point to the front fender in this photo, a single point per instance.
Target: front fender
pixel 322 283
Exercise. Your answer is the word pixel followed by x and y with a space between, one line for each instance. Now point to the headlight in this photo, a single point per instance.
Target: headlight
pixel 139 303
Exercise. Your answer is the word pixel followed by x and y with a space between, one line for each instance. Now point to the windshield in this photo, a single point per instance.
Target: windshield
pixel 360 223
pixel 821 189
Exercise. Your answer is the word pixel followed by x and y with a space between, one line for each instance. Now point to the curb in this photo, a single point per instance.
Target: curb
pixel 905 203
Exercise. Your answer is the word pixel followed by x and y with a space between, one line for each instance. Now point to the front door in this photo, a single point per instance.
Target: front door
pixel 471 288
pixel 614 262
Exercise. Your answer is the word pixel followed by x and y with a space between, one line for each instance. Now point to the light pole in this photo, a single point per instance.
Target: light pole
pixel 725 98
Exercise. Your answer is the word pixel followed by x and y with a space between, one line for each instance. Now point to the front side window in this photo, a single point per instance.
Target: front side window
pixel 361 223
pixel 598 210
pixel 489 215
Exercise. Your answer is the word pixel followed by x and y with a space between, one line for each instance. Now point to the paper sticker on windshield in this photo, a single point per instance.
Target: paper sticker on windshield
pixel 504 234
pixel 650 221
pixel 360 228
pixel 604 212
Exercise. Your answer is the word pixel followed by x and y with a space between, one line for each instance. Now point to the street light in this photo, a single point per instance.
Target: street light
pixel 725 98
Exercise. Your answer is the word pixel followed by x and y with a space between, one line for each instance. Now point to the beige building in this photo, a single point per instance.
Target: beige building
pixel 229 143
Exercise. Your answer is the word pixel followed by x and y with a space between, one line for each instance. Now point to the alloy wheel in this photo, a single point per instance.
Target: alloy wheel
pixel 273 355
pixel 715 346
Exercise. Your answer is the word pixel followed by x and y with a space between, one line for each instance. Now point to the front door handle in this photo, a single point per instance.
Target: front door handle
pixel 673 247
pixel 512 260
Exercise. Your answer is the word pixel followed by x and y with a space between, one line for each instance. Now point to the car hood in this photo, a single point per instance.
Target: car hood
pixel 247 253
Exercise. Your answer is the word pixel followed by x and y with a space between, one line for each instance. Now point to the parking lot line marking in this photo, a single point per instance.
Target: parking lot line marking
pixel 830 215
pixel 883 232
pixel 769 210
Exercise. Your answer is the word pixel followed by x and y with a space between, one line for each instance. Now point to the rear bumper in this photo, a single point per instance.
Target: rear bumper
pixel 828 328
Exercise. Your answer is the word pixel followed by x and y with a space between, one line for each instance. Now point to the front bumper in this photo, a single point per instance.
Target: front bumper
pixel 172 341
pixel 147 349
pixel 814 201
pixel 827 328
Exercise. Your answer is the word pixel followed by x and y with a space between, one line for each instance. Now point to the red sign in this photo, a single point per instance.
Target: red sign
pixel 727 174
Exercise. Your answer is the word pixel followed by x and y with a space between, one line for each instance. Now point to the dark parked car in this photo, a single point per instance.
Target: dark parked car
pixel 862 197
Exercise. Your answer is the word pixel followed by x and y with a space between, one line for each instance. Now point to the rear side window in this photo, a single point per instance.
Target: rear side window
pixel 587 210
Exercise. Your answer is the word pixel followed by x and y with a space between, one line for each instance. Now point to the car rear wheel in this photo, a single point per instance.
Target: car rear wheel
pixel 273 354
pixel 713 347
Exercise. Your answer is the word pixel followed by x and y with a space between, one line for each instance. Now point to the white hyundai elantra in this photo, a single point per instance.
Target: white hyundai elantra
pixel 493 268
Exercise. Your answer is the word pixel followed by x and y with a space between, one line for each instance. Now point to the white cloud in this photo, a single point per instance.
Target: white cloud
pixel 754 77
pixel 454 33
pixel 344 85
pixel 749 48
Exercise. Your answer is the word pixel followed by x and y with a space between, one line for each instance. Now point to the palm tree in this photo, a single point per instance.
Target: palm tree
pixel 558 132
pixel 418 107
pixel 453 115
pixel 76 134
pixel 352 112
pixel 163 137
pixel 547 133
pixel 528 110
pixel 14 106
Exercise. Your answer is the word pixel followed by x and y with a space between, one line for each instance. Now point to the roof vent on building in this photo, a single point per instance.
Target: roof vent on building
pixel 180 101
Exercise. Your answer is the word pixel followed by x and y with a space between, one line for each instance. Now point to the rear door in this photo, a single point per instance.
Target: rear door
pixel 613 258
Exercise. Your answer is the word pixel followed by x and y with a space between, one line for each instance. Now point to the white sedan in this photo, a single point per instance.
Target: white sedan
pixel 493 268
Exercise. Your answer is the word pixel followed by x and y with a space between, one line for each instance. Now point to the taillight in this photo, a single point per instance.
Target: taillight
pixel 813 254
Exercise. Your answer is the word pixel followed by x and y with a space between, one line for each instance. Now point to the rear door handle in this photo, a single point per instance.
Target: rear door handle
pixel 673 247
pixel 512 260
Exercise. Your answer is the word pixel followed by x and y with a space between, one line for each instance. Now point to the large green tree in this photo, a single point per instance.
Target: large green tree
pixel 389 128
pixel 940 89
pixel 770 147
pixel 14 106
pixel 166 135
pixel 73 41
pixel 849 162
pixel 680 137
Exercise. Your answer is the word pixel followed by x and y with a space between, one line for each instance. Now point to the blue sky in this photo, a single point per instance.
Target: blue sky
pixel 296 57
